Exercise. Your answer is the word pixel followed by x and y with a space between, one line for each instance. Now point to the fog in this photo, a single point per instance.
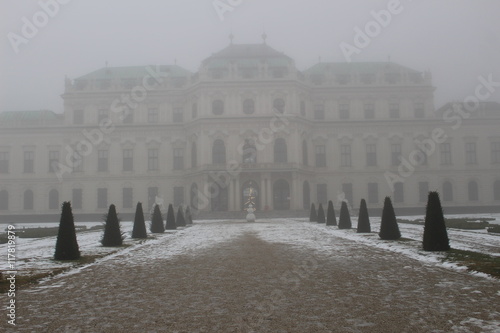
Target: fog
pixel 458 40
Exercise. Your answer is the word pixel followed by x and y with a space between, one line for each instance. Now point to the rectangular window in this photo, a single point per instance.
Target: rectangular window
pixel 371 154
pixel 153 159
pixel 152 193
pixel 345 155
pixel 394 110
pixel 4 162
pixel 178 158
pixel 344 111
pixel 128 159
pixel 423 191
pixel 445 149
pixel 78 117
pixel 372 192
pixel 396 154
pixel 53 160
pixel 178 195
pixel 128 117
pixel 76 198
pixel 418 110
pixel 178 115
pixel 29 162
pixel 321 193
pixel 153 116
pixel 470 153
pixel 77 163
pixel 102 198
pixel 347 190
pixel 319 111
pixel 369 109
pixel 495 152
pixel 399 195
pixel 101 115
pixel 128 197
pixel 102 160
pixel 320 156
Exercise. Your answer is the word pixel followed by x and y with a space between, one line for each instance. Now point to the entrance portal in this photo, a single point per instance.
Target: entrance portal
pixel 281 195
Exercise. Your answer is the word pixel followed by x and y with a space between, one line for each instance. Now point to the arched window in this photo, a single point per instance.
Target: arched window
pixel 447 191
pixel 4 200
pixel 219 152
pixel 28 199
pixel 248 106
pixel 473 191
pixel 281 195
pixel 496 190
pixel 53 199
pixel 217 107
pixel 249 152
pixel 306 195
pixel 193 196
pixel 280 151
pixel 305 159
pixel 279 105
pixel 194 155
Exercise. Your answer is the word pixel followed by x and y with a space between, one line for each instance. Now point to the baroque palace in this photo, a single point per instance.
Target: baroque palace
pixel 249 127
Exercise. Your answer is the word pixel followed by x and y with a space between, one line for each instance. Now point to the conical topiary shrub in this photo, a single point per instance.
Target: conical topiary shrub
pixel 112 234
pixel 189 217
pixel 321 214
pixel 363 219
pixel 330 214
pixel 344 218
pixel 313 216
pixel 157 226
pixel 435 234
pixel 180 220
pixel 66 244
pixel 139 229
pixel 170 219
pixel 389 229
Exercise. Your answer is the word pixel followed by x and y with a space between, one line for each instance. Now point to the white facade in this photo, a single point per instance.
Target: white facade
pixel 248 119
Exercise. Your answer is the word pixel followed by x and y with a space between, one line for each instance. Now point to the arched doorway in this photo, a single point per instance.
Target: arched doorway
pixel 306 195
pixel 281 195
pixel 250 195
pixel 219 196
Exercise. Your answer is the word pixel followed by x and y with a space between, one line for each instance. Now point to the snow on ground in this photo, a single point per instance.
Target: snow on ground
pixel 35 255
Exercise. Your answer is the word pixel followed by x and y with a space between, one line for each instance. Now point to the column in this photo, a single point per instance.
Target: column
pixel 269 191
pixel 231 195
pixel 238 195
pixel 262 193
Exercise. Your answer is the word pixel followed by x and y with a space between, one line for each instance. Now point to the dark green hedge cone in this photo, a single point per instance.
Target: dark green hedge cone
pixel 313 216
pixel 66 244
pixel 189 217
pixel 112 234
pixel 139 229
pixel 363 219
pixel 321 214
pixel 389 229
pixel 435 234
pixel 170 219
pixel 344 218
pixel 330 214
pixel 180 220
pixel 157 226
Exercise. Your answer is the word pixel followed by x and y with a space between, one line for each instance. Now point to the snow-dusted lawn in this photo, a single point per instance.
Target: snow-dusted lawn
pixel 35 255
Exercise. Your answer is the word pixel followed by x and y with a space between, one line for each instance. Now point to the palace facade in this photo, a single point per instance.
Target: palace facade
pixel 249 127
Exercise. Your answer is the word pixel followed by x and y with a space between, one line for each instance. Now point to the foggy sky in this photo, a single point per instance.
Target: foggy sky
pixel 456 40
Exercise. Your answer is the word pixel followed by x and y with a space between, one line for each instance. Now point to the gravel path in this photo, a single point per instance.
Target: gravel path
pixel 261 277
